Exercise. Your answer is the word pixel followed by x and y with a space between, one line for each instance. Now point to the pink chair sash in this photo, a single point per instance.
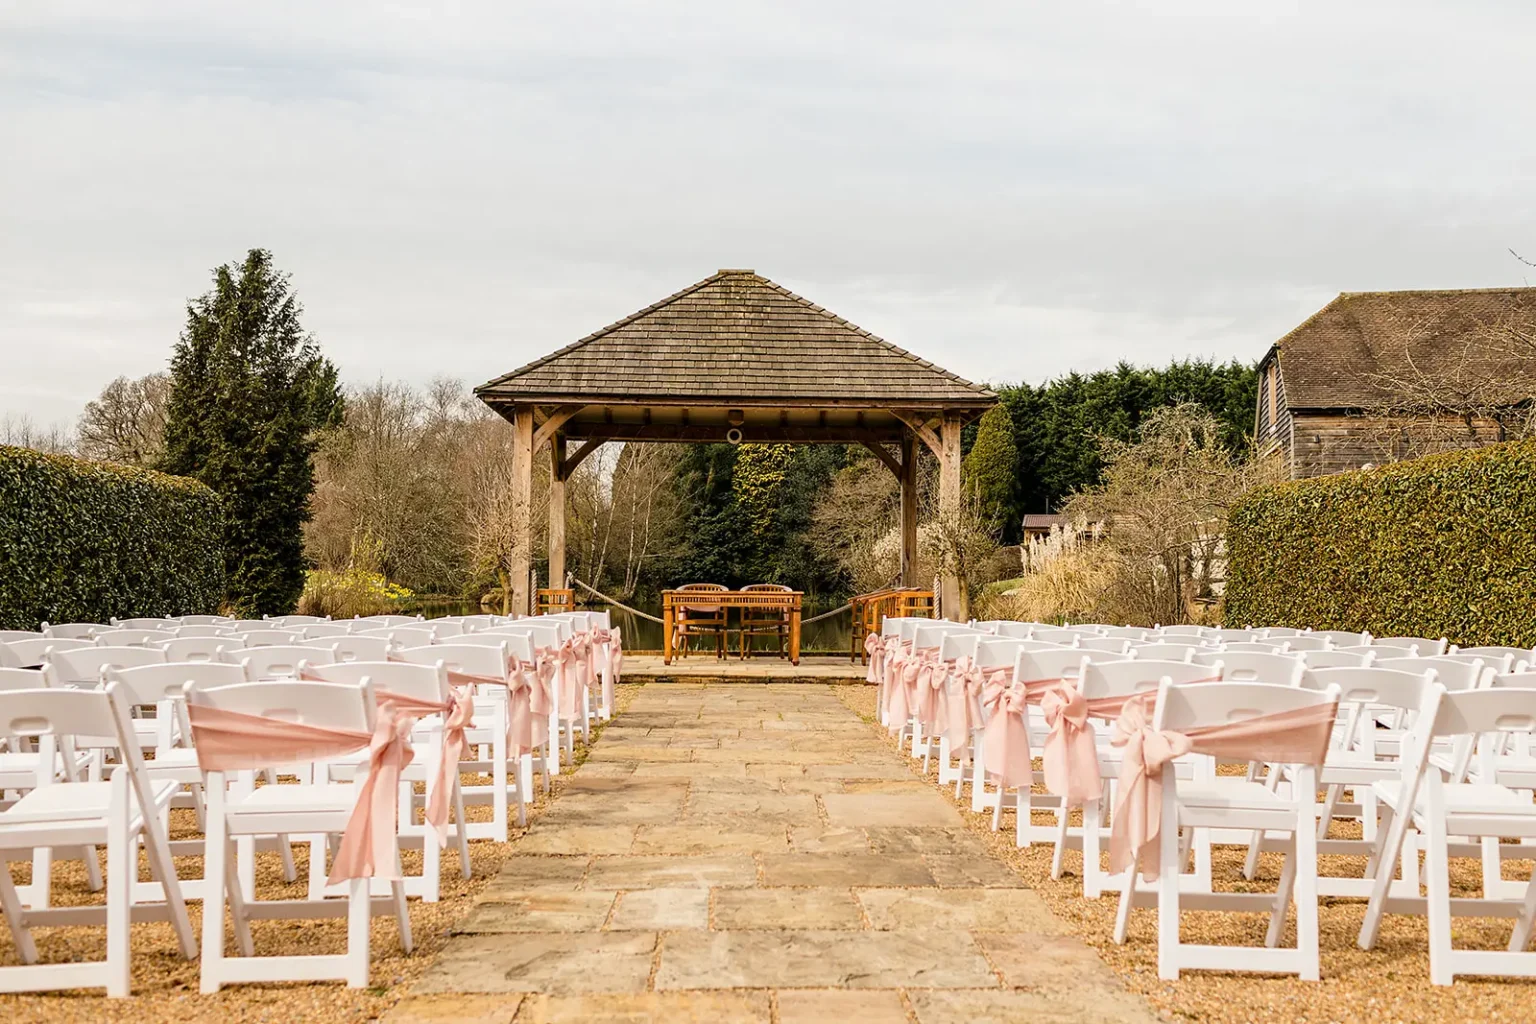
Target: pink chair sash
pixel 1071 757
pixel 875 648
pixel 969 683
pixel 1005 738
pixel 457 713
pixel 529 686
pixel 234 741
pixel 611 641
pixel 571 687
pixel 898 695
pixel 1299 736
pixel 928 692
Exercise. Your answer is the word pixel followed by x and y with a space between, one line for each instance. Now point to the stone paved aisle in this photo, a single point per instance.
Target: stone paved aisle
pixel 750 853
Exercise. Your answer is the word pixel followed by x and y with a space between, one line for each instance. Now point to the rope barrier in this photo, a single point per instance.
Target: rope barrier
pixel 635 611
pixel 616 604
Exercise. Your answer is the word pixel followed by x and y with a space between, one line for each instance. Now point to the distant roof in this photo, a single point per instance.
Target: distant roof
pixel 1338 358
pixel 1043 521
pixel 735 337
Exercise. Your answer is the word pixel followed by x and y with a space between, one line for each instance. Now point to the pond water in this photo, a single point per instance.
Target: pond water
pixel 829 635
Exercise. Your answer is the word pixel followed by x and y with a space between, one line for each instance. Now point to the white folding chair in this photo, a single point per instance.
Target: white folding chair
pixel 12 635
pixel 488 728
pixel 200 648
pixel 33 653
pixel 353 647
pixel 1438 811
pixel 1331 658
pixel 1166 651
pixel 1229 802
pixel 145 623
pixel 1341 637
pixel 425 683
pixel 1240 667
pixel 325 629
pixel 282 662
pixel 378 621
pixel 74 630
pixel 202 631
pixel 271 637
pixel 116 814
pixel 237 807
pixel 1423 645
pixel 162 687
pixel 206 620
pixel 544 632
pixel 292 621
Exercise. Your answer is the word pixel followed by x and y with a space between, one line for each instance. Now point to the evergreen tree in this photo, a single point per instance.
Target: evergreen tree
pixel 249 393
pixel 992 464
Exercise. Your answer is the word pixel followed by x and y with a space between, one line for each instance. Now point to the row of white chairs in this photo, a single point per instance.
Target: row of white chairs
pixel 78 725
pixel 1432 744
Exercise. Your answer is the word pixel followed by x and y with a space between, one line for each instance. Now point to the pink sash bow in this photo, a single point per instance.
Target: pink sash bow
pixel 874 647
pixel 611 641
pixel 1071 757
pixel 969 683
pixel 234 741
pixel 1005 738
pixel 528 693
pixel 928 691
pixel 1299 736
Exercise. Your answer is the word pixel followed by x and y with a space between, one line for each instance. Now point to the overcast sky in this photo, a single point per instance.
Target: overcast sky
pixel 1011 189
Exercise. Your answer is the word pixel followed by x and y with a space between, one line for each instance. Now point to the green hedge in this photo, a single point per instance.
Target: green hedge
pixel 1439 546
pixel 81 541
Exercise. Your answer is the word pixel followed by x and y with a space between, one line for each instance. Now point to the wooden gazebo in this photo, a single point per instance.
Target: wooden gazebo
pixel 734 357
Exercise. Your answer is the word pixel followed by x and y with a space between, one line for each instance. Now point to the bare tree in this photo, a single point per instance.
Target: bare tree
pixel 1451 381
pixel 1163 500
pixel 21 432
pixel 127 422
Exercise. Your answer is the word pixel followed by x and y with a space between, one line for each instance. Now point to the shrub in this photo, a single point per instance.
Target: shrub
pixel 82 541
pixel 1438 546
pixel 345 593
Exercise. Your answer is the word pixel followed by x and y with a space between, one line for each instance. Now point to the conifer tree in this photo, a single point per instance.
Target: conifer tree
pixel 992 464
pixel 249 394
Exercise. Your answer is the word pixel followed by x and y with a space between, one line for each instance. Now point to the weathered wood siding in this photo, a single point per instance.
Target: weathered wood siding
pixel 1326 442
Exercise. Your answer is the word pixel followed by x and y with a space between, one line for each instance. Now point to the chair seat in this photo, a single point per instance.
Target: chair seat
pixel 74 803
pixel 301 799
pixel 1464 798
pixel 1230 793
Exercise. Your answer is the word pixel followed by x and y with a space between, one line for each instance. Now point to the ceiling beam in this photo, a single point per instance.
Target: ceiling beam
pixel 708 434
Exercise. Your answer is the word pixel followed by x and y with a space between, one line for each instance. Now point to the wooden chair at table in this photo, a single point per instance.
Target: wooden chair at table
pixel 701 621
pixel 765 621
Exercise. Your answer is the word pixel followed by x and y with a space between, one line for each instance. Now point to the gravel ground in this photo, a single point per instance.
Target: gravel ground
pixel 1389 983
pixel 165 985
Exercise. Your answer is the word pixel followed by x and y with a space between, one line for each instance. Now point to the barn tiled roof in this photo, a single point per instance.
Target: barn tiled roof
pixel 1345 354
pixel 736 336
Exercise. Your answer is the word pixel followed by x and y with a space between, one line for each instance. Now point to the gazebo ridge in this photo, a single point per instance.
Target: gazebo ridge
pixel 732 358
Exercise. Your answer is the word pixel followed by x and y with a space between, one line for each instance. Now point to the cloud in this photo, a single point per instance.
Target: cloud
pixel 1012 190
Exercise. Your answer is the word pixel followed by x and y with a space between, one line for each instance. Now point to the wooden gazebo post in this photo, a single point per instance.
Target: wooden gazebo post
pixel 557 476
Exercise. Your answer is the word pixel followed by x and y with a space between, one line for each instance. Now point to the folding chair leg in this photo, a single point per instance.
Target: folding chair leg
pixel 1061 845
pixel 122 872
pixel 1167 885
pixel 219 877
pixel 461 833
pixel 1123 912
pixel 359 912
pixel 1522 932
pixel 26 948
pixel 1437 884
pixel 1282 898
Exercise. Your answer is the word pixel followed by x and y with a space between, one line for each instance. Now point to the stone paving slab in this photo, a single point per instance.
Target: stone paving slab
pixel 753 854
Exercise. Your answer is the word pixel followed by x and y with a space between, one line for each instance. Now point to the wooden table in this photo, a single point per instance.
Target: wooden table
pixel 781 600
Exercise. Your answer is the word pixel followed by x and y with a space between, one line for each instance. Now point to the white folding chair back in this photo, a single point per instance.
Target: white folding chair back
pixel 1234 636
pixel 381 621
pixel 290 621
pixel 992 652
pixel 325 629
pixel 1017 630
pixel 1184 631
pixel 1426 647
pixel 405 636
pixel 74 630
pixel 1452 673
pixel 891 625
pixel 147 623
pixel 958 645
pixel 353 648
pixel 200 648
pixel 1112 645
pixel 281 662
pixel 1342 637
pixel 206 620
pixel 1492 654
pixel 202 631
pixel 132 637
pixel 23 679
pixel 1331 658
pixel 8 636
pixel 1164 651
pixel 26 653
pixel 1258 647
pixel 1280 669
pixel 271 637
pixel 1065 637
pixel 85 667
pixel 1064 664
pixel 1102 679
pixel 1301 642
pixel 933 634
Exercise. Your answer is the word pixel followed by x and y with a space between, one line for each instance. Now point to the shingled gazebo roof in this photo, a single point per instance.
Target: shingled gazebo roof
pixel 735 349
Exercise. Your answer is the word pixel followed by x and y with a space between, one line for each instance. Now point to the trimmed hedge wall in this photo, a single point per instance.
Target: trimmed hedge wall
pixel 81 541
pixel 1439 546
